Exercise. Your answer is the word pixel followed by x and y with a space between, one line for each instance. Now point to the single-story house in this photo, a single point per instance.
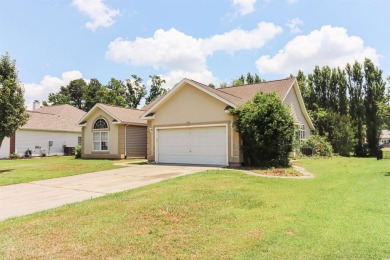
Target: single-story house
pixel 110 132
pixel 47 131
pixel 191 123
pixel 385 137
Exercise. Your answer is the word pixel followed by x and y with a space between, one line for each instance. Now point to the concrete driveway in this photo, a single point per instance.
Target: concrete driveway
pixel 26 198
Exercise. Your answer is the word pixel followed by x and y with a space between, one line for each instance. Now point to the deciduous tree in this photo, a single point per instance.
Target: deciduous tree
pixel 156 89
pixel 13 112
pixel 374 87
pixel 135 91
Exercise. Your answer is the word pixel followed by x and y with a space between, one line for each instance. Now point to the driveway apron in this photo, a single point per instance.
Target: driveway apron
pixel 26 198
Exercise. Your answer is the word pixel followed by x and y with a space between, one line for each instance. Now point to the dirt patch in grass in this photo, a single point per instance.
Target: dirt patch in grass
pixel 277 172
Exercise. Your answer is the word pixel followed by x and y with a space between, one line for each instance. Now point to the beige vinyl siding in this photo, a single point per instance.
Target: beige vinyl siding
pixel 292 102
pixel 121 139
pixel 136 141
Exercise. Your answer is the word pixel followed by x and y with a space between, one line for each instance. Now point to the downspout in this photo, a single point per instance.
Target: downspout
pixel 126 141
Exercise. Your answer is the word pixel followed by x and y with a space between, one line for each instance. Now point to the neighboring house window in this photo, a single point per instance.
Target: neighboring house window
pixel 100 138
pixel 79 140
pixel 300 133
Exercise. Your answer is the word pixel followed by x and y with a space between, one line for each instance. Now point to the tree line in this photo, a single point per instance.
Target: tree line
pixel 349 106
pixel 127 93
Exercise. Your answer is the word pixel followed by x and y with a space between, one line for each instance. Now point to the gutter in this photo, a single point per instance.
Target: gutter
pixel 126 141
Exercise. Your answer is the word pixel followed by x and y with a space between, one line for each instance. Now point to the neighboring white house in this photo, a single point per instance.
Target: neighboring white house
pixel 385 137
pixel 5 148
pixel 47 131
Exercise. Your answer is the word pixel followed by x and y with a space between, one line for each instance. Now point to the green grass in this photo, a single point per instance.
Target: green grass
pixel 26 170
pixel 344 212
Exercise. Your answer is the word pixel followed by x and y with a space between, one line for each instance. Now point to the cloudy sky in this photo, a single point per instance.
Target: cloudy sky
pixel 211 41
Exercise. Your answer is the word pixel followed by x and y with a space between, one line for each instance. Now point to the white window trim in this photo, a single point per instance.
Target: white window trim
pixel 301 133
pixel 108 141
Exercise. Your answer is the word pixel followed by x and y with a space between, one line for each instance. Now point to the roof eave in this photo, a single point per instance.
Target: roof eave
pixel 98 105
pixel 301 102
pixel 49 130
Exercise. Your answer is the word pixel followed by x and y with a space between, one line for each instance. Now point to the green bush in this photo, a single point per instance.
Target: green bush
pixel 14 156
pixel 77 152
pixel 337 129
pixel 320 146
pixel 43 155
pixel 266 128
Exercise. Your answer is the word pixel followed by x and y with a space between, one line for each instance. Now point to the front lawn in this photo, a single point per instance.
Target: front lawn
pixel 344 212
pixel 26 170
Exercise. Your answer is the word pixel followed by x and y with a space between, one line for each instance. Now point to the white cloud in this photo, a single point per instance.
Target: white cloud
pixel 48 84
pixel 294 24
pixel 169 49
pixel 292 2
pixel 175 76
pixel 100 14
pixel 239 39
pixel 182 54
pixel 244 6
pixel 330 46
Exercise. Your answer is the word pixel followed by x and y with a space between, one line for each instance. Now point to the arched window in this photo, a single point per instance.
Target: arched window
pixel 100 138
pixel 100 124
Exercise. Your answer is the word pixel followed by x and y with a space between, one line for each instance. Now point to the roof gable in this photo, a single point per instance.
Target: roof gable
pixel 121 115
pixel 221 96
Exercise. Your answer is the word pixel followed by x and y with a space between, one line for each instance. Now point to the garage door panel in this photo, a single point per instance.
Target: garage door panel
pixel 203 145
pixel 174 149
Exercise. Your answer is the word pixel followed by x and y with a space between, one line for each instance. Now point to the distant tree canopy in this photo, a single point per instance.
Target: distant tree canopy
pixel 13 112
pixel 345 102
pixel 155 88
pixel 384 109
pixel 127 93
pixel 242 80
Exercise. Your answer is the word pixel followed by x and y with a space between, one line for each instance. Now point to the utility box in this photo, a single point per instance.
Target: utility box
pixel 69 150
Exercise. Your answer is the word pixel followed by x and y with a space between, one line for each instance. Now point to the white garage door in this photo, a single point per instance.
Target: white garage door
pixel 200 145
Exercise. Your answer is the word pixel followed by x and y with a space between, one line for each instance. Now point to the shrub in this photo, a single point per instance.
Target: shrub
pixel 43 155
pixel 77 152
pixel 14 156
pixel 337 129
pixel 266 128
pixel 320 146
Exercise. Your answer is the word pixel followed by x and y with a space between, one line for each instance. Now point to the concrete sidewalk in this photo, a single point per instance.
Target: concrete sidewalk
pixel 26 198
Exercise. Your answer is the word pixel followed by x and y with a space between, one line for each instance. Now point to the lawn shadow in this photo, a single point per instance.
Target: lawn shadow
pixel 6 170
pixel 387 174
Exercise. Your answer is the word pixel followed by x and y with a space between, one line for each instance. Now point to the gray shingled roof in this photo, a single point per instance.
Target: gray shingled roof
pixel 247 92
pixel 55 118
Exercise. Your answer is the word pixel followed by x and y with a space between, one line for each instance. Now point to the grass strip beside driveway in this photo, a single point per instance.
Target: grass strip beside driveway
pixel 27 170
